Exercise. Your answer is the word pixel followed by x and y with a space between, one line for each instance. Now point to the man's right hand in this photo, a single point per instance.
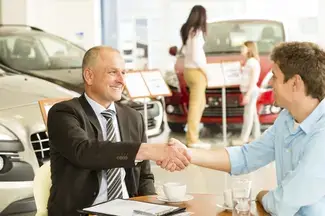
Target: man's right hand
pixel 169 165
pixel 171 156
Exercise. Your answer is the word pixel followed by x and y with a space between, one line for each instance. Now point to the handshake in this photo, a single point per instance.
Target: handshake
pixel 174 156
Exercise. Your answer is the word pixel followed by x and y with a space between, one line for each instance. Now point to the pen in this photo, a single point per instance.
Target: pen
pixel 138 212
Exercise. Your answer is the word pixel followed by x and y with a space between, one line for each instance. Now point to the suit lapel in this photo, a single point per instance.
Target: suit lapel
pixel 123 123
pixel 124 127
pixel 91 116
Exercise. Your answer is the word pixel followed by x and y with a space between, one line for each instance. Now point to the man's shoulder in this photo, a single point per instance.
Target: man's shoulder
pixel 73 103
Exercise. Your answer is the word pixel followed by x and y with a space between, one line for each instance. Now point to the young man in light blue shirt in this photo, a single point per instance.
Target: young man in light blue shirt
pixel 296 141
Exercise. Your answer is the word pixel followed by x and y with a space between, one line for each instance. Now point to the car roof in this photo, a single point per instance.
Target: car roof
pixel 19 29
pixel 245 20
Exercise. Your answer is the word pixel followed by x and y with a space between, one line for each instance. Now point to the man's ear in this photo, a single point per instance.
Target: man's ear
pixel 298 83
pixel 88 76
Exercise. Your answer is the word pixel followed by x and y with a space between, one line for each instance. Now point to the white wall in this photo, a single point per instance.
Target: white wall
pixel 66 18
pixel 321 23
pixel 61 17
pixel 13 11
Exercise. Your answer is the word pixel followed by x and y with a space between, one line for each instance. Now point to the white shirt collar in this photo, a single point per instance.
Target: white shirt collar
pixel 98 109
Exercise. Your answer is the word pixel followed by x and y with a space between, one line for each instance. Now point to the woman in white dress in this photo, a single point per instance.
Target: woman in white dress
pixel 192 33
pixel 250 91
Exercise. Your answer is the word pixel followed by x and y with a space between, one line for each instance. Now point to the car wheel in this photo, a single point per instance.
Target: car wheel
pixel 176 127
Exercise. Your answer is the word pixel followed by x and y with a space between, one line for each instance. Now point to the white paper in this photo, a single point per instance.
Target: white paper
pixel 215 75
pixel 122 207
pixel 156 83
pixel 135 85
pixel 232 73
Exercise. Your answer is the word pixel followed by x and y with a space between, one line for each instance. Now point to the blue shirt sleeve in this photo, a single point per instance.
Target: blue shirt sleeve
pixel 304 186
pixel 249 157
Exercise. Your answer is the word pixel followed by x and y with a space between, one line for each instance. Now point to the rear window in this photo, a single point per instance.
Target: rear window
pixel 228 36
pixel 39 51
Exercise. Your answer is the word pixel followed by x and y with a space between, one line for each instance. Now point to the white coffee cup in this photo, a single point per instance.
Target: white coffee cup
pixel 174 191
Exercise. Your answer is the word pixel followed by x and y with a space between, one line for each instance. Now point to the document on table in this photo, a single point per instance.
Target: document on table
pixel 122 207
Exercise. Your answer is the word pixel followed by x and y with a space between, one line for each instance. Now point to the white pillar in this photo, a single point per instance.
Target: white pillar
pixel 321 23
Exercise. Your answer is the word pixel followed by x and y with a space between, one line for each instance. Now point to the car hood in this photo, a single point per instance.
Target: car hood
pixel 60 76
pixel 20 90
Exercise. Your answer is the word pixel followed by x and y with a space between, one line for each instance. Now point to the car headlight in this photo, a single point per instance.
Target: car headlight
pixel 6 135
pixel 2 163
pixel 172 80
pixel 265 85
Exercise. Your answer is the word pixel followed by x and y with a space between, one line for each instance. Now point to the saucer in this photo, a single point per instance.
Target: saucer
pixel 223 206
pixel 185 199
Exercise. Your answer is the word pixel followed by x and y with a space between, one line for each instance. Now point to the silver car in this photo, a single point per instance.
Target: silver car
pixel 24 144
pixel 32 51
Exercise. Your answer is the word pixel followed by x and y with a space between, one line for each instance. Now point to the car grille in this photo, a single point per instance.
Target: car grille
pixel 214 103
pixel 41 145
pixel 217 112
pixel 229 90
pixel 152 111
pixel 151 123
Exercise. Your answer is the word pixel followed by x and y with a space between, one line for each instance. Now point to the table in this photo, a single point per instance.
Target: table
pixel 204 204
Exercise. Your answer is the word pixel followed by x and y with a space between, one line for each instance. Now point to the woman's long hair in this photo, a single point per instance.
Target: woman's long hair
pixel 252 50
pixel 196 20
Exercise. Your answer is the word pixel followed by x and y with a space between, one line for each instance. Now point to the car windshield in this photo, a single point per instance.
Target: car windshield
pixel 39 51
pixel 228 36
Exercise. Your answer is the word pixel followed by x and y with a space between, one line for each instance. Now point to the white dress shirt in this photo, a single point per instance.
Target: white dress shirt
pixel 102 194
pixel 194 55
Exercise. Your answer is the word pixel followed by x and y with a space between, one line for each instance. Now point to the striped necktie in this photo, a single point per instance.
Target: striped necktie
pixel 113 176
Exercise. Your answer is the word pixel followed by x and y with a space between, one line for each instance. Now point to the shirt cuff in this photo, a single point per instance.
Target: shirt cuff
pixel 137 161
pixel 237 160
pixel 268 202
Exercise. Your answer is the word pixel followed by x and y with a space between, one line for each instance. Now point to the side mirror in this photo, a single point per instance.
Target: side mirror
pixel 173 50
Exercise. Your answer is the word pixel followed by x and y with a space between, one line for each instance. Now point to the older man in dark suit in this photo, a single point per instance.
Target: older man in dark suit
pixel 96 141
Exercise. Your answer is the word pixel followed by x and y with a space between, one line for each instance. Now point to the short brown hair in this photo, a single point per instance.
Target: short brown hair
pixel 305 59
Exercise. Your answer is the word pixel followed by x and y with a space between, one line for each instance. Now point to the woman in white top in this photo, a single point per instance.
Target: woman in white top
pixel 250 90
pixel 192 33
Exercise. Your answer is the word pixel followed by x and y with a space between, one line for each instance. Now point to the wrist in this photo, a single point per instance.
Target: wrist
pixel 144 152
pixel 149 152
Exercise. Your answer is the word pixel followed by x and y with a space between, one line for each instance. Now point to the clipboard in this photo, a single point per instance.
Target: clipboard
pixel 126 207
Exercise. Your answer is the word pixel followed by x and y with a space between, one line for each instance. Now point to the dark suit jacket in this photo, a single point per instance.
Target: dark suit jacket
pixel 78 153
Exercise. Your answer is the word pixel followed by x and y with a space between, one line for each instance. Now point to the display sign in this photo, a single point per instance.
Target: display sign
pixel 135 85
pixel 46 104
pixel 215 75
pixel 224 74
pixel 156 83
pixel 232 73
pixel 148 83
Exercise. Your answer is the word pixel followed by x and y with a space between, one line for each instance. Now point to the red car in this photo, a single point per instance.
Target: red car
pixel 223 43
